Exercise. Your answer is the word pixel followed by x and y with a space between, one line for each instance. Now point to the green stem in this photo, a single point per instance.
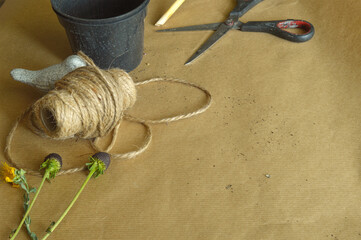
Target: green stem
pixel 46 175
pixel 52 228
pixel 27 219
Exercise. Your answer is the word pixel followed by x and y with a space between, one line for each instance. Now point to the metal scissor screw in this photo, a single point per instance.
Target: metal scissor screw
pixel 229 22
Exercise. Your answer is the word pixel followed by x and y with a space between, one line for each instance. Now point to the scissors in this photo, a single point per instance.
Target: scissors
pixel 276 28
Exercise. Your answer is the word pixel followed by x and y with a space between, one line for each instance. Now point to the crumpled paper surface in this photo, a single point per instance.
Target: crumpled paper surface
pixel 277 156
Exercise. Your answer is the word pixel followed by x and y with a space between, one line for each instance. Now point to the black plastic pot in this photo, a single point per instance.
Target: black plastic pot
pixel 111 32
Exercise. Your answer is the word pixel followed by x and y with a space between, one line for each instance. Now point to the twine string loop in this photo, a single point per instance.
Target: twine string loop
pixel 90 103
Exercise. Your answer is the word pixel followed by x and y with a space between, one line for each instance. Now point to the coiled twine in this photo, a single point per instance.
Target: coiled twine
pixel 86 103
pixel 89 103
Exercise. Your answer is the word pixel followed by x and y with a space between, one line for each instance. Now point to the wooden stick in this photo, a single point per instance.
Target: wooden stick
pixel 170 12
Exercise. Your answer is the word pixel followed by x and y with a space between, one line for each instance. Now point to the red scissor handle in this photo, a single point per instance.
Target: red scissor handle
pixel 277 28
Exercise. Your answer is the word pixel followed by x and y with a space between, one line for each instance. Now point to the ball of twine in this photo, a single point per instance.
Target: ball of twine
pixel 89 103
pixel 86 103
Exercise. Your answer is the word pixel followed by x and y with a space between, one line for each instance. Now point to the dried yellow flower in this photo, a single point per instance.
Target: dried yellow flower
pixel 7 174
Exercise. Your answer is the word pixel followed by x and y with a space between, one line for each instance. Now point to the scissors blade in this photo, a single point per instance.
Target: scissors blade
pixel 243 6
pixel 210 26
pixel 221 31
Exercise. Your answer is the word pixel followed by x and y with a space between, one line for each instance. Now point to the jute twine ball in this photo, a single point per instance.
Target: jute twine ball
pixel 86 103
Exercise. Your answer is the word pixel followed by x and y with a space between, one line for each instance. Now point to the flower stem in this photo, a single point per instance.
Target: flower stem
pixel 52 228
pixel 46 175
